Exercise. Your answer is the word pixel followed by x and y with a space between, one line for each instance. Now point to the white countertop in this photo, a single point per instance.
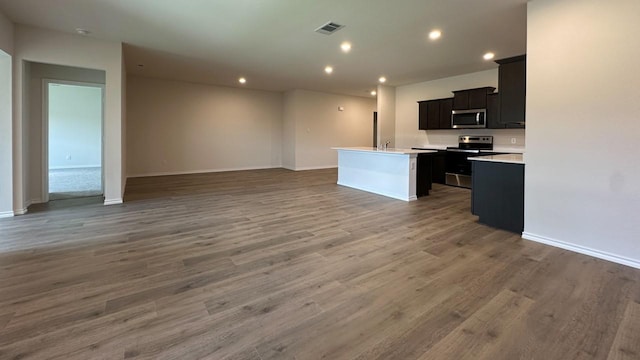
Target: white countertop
pixel 434 147
pixel 503 158
pixel 509 149
pixel 387 151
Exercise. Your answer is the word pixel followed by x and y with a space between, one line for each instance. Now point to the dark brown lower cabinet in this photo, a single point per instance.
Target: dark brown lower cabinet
pixel 424 174
pixel 497 195
pixel 438 167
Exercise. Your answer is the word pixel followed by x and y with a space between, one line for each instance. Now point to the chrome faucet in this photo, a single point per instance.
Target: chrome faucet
pixel 386 144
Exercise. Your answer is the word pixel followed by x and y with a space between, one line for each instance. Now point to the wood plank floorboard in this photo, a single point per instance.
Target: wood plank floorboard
pixel 276 264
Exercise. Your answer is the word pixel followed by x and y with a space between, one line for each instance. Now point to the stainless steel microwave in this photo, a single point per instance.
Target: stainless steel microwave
pixel 469 119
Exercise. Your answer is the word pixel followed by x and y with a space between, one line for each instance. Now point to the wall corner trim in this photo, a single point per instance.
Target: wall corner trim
pixel 582 250
pixel 113 201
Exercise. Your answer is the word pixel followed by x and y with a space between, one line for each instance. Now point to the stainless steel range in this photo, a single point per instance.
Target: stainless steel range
pixel 458 167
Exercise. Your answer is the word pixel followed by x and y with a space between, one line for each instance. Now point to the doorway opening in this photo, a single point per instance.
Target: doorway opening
pixel 72 133
pixel 375 129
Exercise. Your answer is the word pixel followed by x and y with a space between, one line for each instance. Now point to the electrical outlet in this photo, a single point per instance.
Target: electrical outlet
pixel 68 157
pixel 513 141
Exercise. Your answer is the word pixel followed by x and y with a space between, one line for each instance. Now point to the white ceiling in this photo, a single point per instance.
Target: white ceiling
pixel 273 44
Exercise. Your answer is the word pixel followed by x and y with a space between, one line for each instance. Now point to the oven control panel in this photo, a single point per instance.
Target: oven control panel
pixel 470 139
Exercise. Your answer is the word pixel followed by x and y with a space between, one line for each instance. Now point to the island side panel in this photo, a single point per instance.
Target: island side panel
pixel 392 175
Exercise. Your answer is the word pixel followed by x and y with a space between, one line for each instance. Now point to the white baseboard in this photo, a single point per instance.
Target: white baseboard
pixel 74 167
pixel 303 168
pixel 25 209
pixel 6 214
pixel 113 201
pixel 36 201
pixel 583 250
pixel 168 173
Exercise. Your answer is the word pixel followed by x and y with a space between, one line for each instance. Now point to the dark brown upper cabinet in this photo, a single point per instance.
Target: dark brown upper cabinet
pixel 471 98
pixel 493 111
pixel 512 82
pixel 435 114
pixel 446 105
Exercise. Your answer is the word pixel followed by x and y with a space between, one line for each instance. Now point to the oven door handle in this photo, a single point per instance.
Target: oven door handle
pixel 464 151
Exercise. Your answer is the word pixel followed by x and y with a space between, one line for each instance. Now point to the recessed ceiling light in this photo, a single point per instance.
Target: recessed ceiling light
pixel 374 93
pixel 488 56
pixel 242 80
pixel 328 69
pixel 82 31
pixel 435 34
pixel 345 46
pixel 382 79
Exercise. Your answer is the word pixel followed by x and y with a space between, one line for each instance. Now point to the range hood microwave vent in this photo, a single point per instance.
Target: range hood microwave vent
pixel 329 28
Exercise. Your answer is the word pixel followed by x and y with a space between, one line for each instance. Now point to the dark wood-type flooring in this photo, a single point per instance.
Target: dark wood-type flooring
pixel 275 264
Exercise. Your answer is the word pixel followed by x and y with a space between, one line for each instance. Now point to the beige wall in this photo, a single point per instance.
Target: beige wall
pixel 6 34
pixel 386 107
pixel 6 122
pixel 407 132
pixel 35 73
pixel 289 116
pixel 583 126
pixel 319 126
pixel 46 46
pixel 179 127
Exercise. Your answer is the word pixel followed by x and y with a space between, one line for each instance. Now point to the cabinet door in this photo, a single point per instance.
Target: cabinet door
pixel 423 174
pixel 433 114
pixel 446 105
pixel 512 83
pixel 461 100
pixel 422 115
pixel 493 112
pixel 438 168
pixel 478 98
pixel 429 115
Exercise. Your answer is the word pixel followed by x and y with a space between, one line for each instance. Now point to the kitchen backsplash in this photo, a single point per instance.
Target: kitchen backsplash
pixel 501 137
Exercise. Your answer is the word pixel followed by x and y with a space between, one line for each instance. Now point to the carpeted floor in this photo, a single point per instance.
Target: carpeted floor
pixel 72 183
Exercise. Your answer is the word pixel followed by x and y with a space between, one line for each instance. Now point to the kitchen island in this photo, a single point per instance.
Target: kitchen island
pixel 390 172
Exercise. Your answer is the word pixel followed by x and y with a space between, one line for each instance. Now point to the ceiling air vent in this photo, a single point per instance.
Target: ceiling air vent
pixel 329 28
